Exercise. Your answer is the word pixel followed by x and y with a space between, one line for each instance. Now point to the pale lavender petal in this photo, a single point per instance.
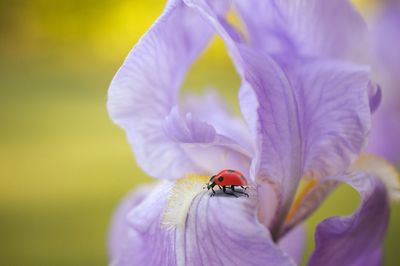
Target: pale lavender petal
pixel 320 108
pixel 305 27
pixel 356 239
pixel 294 243
pixel 119 226
pixel 145 243
pixel 334 113
pixel 220 230
pixel 144 90
pixel 229 234
pixel 277 130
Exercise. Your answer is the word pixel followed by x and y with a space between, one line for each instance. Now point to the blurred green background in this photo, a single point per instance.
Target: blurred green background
pixel 64 165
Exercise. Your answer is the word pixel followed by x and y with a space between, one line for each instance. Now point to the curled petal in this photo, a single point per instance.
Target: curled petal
pixel 209 151
pixel 356 239
pixel 213 157
pixel 213 109
pixel 316 191
pixel 144 90
pixel 187 129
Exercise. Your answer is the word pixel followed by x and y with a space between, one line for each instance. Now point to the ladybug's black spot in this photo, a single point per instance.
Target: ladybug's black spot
pixel 231 171
pixel 221 178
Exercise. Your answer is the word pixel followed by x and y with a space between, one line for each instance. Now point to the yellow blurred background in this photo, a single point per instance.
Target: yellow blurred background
pixel 64 164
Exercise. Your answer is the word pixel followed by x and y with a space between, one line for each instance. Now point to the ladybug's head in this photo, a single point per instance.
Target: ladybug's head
pixel 211 183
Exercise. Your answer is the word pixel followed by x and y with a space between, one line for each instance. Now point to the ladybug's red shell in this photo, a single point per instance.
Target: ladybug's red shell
pixel 230 178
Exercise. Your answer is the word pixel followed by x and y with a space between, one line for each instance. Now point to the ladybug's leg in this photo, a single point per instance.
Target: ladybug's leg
pixel 219 187
pixel 243 187
pixel 224 190
pixel 213 194
pixel 241 192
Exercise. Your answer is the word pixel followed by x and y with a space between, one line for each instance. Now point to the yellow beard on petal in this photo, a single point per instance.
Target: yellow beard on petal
pixel 180 198
pixel 234 19
pixel 301 194
pixel 365 6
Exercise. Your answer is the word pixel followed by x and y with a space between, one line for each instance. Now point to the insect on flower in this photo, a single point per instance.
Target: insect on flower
pixel 305 114
pixel 228 179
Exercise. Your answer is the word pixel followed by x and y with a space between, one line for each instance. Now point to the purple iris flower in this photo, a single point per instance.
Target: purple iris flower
pixel 306 113
pixel 385 40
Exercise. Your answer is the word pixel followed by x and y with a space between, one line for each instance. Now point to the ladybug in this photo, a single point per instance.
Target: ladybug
pixel 228 178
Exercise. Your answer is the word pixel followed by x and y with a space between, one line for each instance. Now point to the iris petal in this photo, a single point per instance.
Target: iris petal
pixel 356 239
pixel 335 117
pixel 225 231
pixel 305 28
pixel 209 151
pixel 144 242
pixel 310 118
pixel 318 191
pixel 294 243
pixel 120 225
pixel 143 100
pixel 276 109
pixel 145 89
pixel 215 110
pixel 385 38
pixel 307 203
pixel 380 168
pixel 180 224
